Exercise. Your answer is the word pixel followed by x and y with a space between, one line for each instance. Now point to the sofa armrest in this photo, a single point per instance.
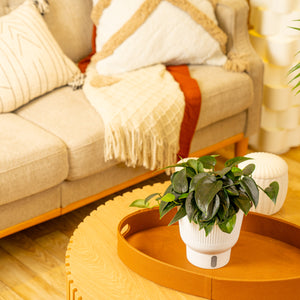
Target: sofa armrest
pixel 233 19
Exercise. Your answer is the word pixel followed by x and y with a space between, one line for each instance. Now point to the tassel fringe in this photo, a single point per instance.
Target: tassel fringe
pixel 77 81
pixel 125 145
pixel 236 63
pixel 42 6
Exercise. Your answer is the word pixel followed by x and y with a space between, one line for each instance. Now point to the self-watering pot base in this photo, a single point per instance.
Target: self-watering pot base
pixel 207 261
pixel 264 264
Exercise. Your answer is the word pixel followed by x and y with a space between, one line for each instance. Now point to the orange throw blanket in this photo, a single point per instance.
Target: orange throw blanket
pixel 192 96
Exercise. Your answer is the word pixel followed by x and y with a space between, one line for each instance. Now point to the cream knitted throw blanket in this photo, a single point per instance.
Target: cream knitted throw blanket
pixel 142 114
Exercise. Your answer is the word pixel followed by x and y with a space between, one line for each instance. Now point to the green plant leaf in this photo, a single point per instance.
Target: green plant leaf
pixel 190 206
pixel 272 191
pixel 212 209
pixel 193 164
pixel 250 187
pixel 205 192
pixel 228 225
pixel 208 227
pixel 243 202
pixel 190 172
pixel 237 172
pixel 180 182
pixel 223 172
pixel 168 197
pixel 224 205
pixel 200 167
pixel 141 203
pixel 180 214
pixel 248 170
pixel 235 161
pixel 147 199
pixel 208 161
pixel 165 207
pixel 196 179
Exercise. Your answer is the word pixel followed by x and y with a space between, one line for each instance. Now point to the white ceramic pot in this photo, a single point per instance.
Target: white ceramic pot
pixel 212 251
pixel 268 167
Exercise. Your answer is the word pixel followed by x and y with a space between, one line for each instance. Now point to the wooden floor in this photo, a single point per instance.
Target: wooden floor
pixel 32 261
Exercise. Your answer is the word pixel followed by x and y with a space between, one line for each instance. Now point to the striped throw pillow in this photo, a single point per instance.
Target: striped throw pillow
pixel 31 61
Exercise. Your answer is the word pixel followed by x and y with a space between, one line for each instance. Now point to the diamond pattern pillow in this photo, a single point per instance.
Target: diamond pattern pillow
pixel 31 62
pixel 136 33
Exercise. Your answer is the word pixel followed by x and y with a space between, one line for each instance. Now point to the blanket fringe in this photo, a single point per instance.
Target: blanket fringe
pixel 42 6
pixel 135 148
pixel 236 63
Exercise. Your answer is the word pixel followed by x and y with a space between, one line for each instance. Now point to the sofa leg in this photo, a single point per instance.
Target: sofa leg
pixel 241 147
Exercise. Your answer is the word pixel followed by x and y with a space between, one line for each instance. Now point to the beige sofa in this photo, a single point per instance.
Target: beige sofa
pixel 51 149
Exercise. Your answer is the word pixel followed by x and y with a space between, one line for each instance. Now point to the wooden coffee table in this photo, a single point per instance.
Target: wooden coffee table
pixel 94 270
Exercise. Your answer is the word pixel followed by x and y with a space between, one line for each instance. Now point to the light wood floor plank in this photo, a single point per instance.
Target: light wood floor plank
pixel 25 283
pixel 32 262
pixel 7 294
pixel 35 258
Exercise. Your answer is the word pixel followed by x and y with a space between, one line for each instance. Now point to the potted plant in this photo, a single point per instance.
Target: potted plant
pixel 210 205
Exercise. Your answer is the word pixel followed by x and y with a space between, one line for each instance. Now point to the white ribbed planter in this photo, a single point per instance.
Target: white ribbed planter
pixel 212 251
pixel 268 167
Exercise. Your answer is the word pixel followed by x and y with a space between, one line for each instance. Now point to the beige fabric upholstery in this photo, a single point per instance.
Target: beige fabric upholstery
pixel 29 207
pixel 69 21
pixel 67 114
pixel 31 159
pixel 223 93
pixel 233 16
pixel 73 191
pixel 71 25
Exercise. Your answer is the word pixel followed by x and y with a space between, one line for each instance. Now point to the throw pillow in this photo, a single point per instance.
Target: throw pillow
pixel 137 33
pixel 31 62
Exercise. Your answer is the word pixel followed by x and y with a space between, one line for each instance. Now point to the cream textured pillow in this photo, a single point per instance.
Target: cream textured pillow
pixel 31 62
pixel 137 33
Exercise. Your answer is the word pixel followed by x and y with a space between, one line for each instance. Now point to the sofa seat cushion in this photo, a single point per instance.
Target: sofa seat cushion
pixel 224 94
pixel 68 115
pixel 31 159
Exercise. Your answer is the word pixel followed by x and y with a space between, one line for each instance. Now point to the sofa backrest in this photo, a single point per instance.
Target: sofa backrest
pixel 69 21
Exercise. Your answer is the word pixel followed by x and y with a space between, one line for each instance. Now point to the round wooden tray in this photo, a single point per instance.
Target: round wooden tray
pixel 264 264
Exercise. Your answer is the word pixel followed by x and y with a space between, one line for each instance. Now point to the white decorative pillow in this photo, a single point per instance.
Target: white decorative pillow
pixel 31 62
pixel 137 33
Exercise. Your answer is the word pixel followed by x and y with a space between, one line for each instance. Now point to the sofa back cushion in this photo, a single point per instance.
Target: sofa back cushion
pixel 69 21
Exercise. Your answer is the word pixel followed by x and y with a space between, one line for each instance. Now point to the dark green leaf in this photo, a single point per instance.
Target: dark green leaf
pixel 223 172
pixel 228 225
pixel 213 208
pixel 224 205
pixel 235 161
pixel 139 203
pixel 190 206
pixel 205 192
pixel 272 191
pixel 196 179
pixel 248 170
pixel 165 207
pixel 151 196
pixel 190 172
pixel 169 189
pixel 250 187
pixel 243 202
pixel 208 227
pixel 180 182
pixel 208 161
pixel 193 164
pixel 180 214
